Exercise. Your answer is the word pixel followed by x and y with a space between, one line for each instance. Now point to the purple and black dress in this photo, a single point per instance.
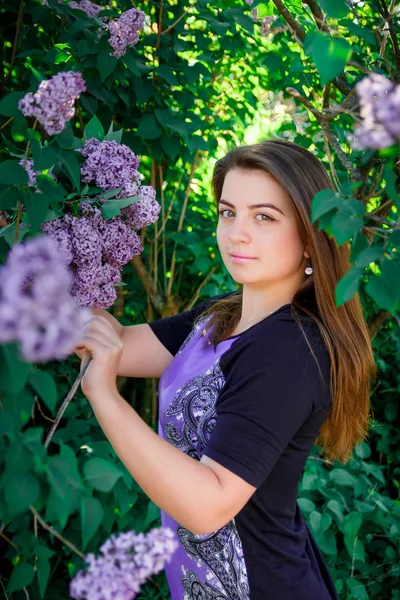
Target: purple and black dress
pixel 255 405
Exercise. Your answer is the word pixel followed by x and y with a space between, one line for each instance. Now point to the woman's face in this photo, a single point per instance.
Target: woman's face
pixel 268 235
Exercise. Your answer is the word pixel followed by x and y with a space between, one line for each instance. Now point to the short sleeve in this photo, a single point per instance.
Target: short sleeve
pixel 269 391
pixel 172 331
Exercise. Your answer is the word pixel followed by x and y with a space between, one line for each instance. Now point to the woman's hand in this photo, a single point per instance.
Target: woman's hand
pixel 105 346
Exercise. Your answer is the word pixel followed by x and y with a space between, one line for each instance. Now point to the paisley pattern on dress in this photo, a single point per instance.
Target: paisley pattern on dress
pixel 192 333
pixel 187 424
pixel 222 552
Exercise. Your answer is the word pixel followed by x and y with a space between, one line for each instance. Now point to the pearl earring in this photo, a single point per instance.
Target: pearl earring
pixel 308 270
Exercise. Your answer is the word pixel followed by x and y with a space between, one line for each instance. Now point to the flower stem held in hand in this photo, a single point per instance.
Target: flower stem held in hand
pixel 85 364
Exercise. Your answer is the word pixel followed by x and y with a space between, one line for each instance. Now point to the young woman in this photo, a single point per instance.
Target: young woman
pixel 250 381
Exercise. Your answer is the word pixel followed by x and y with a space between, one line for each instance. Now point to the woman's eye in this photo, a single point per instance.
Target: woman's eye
pixel 268 218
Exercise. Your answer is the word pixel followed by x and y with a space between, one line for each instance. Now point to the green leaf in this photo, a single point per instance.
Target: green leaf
pixel 113 208
pixel 22 576
pixel 47 159
pixel 68 157
pixel 63 472
pixel 167 73
pixel 92 514
pixel 368 255
pixel 19 129
pixel 148 128
pixel 130 62
pixel 43 556
pixel 266 9
pixel 8 198
pixel 344 225
pixel 171 146
pixel 106 65
pixel 65 139
pixel 330 54
pixel 45 386
pixel 348 285
pixel 384 289
pixel 13 371
pixel 21 492
pixel 94 129
pixel 390 178
pixel 319 522
pixel 52 190
pixel 9 104
pixel 114 135
pixel 342 477
pixel 36 206
pixel 334 8
pixel 11 173
pixel 395 238
pixel 306 505
pixel 100 474
pixel 323 202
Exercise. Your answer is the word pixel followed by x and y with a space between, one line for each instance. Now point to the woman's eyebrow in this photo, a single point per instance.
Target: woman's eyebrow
pixel 253 205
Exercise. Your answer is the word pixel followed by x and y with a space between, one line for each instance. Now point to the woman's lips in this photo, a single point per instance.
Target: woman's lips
pixel 241 259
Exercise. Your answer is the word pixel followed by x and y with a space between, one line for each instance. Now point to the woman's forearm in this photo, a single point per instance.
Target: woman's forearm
pixel 184 488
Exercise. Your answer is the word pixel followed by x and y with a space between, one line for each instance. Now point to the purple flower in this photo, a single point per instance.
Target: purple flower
pixel 124 31
pixel 91 9
pixel 249 2
pixel 380 113
pixel 53 104
pixel 120 243
pixel 36 306
pixel 95 250
pixel 145 211
pixel 127 561
pixel 32 173
pixel 111 165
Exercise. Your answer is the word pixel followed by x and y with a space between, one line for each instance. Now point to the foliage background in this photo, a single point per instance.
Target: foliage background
pixel 200 80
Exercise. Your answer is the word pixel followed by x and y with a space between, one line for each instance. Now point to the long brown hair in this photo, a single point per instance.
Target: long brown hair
pixel 343 328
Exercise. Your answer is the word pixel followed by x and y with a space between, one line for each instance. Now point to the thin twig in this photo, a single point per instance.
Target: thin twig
pixel 14 50
pixel 176 22
pixel 56 534
pixel 6 123
pixel 85 363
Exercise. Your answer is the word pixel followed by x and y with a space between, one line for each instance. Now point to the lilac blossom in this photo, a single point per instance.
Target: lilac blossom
pixel 53 104
pixel 90 8
pixel 127 561
pixel 36 306
pixel 95 249
pixel 145 211
pixel 380 113
pixel 111 165
pixel 125 31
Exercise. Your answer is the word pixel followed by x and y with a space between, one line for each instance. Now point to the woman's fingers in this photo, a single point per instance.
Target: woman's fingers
pixel 102 338
pixel 101 324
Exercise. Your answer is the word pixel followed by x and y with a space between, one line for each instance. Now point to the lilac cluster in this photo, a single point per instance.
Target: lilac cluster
pixel 32 173
pixel 110 165
pixel 127 561
pixel 125 30
pixel 145 211
pixel 36 306
pixel 90 8
pixel 380 112
pixel 95 250
pixel 53 104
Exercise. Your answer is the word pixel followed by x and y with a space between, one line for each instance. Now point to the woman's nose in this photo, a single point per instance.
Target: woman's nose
pixel 238 232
